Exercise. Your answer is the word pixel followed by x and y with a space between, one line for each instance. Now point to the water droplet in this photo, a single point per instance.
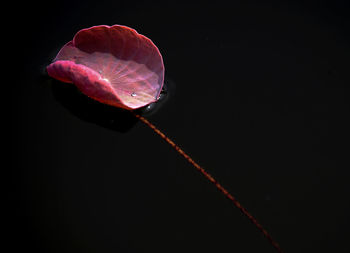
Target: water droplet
pixel 133 94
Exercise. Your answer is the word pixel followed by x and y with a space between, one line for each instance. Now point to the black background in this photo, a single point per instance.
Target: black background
pixel 261 101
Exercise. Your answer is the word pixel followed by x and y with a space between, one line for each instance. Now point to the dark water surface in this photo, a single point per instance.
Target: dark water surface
pixel 261 101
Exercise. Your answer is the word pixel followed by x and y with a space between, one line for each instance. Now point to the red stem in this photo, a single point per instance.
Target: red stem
pixel 212 180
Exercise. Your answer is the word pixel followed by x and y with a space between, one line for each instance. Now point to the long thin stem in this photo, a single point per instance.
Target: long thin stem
pixel 212 180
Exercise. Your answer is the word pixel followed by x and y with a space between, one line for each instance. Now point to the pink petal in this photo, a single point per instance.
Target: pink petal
pixel 114 65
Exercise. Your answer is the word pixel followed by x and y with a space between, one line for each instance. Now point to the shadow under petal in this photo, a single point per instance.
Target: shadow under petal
pixel 90 110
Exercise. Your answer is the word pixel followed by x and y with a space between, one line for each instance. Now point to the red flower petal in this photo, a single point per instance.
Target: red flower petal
pixel 112 64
